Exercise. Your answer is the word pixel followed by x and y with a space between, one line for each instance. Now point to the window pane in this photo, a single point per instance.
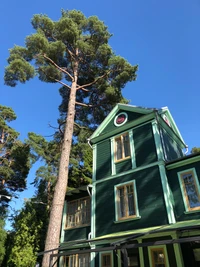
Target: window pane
pixel 83 260
pixel 158 258
pixel 78 212
pixel 126 145
pixel 118 148
pixel 191 190
pixel 131 205
pixel 122 208
pixel 106 260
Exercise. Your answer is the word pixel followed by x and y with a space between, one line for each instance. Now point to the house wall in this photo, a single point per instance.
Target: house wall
pixel 144 144
pixel 76 233
pixel 150 202
pixel 179 208
pixel 131 116
pixel 144 149
pixel 172 149
pixel 103 164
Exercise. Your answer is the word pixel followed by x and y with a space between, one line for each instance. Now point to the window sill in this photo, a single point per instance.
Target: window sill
pixel 77 227
pixel 120 160
pixel 127 220
pixel 191 211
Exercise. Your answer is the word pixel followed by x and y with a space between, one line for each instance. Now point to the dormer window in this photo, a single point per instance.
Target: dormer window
pixel 122 147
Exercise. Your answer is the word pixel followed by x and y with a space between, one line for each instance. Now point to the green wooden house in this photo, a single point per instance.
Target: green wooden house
pixel 143 206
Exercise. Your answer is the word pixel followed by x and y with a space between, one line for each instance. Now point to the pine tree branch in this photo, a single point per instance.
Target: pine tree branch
pixel 64 84
pixel 59 68
pixel 80 127
pixel 96 80
pixel 83 89
pixel 84 105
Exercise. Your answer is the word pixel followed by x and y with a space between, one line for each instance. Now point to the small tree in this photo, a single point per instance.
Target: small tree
pixel 27 226
pixel 2 241
pixel 14 159
pixel 75 53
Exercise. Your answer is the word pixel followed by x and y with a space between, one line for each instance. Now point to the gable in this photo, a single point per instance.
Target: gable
pixel 120 115
pixel 168 119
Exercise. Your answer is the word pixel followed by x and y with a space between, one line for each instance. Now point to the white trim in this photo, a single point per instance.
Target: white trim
pixel 141 254
pixel 177 251
pixel 132 148
pixel 113 166
pixel 116 117
pixel 64 218
pixel 167 195
pixel 158 144
pixel 94 162
pixel 93 215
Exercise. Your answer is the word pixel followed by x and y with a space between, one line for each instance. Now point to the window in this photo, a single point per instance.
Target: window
pixel 122 147
pixel 106 259
pixel 81 260
pixel 126 201
pixel 158 256
pixel 190 189
pixel 78 212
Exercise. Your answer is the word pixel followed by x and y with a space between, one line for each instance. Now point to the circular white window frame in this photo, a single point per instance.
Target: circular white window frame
pixel 115 121
pixel 165 118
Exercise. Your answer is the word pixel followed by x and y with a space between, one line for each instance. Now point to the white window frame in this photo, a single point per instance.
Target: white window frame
pixel 77 213
pixel 122 145
pixel 163 247
pixel 132 217
pixel 113 151
pixel 106 253
pixel 183 191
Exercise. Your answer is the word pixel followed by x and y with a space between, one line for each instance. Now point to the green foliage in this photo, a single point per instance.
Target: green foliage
pixel 53 50
pixel 2 241
pixel 14 159
pixel 195 150
pixel 26 239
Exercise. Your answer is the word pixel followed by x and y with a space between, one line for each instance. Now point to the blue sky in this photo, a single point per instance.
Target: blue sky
pixel 162 37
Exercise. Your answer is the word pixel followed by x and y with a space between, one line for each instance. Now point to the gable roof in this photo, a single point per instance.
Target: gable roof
pixel 139 110
pixel 112 114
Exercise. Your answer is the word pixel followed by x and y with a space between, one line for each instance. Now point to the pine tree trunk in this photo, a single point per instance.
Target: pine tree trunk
pixel 53 233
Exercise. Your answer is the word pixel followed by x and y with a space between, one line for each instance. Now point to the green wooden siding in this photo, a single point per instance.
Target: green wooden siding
pixel 145 149
pixel 77 233
pixel 131 116
pixel 123 166
pixel 177 195
pixel 150 202
pixel 171 148
pixel 103 159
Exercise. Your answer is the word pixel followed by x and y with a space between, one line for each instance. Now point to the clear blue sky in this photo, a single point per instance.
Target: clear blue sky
pixel 163 37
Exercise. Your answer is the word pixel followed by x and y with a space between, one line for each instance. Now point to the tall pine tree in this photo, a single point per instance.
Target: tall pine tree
pixel 75 53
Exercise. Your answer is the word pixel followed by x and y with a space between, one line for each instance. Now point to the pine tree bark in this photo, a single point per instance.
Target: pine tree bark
pixel 54 228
